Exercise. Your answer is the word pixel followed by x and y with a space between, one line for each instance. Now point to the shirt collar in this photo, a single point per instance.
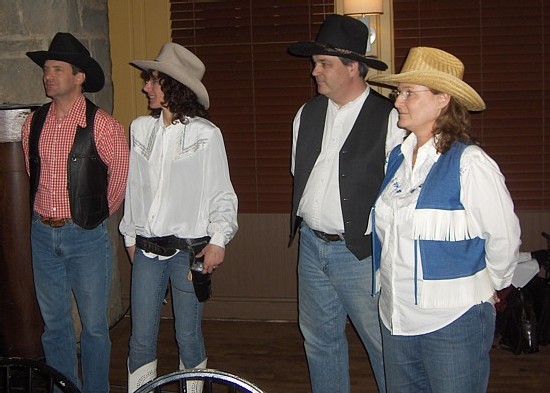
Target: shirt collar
pixel 358 101
pixel 77 111
pixel 428 149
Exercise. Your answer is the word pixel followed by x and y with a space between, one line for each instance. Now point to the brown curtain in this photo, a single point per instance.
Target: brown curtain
pixel 505 46
pixel 255 86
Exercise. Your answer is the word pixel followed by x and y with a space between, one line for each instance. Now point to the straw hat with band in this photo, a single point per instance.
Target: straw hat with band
pixel 438 70
pixel 65 47
pixel 181 64
pixel 341 36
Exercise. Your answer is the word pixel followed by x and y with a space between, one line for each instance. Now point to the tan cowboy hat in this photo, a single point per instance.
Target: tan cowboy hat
pixel 438 70
pixel 181 64
pixel 341 36
pixel 65 47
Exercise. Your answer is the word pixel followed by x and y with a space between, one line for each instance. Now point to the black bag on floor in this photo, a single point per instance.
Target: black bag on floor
pixel 519 324
pixel 523 320
pixel 539 288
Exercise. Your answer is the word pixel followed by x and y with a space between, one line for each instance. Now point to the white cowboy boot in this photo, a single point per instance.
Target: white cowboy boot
pixel 141 376
pixel 194 386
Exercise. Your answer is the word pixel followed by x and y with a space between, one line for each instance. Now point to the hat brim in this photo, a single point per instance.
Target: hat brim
pixel 95 78
pixel 436 80
pixel 308 48
pixel 178 74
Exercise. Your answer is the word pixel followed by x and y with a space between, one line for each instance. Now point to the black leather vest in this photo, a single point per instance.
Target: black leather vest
pixel 86 172
pixel 361 164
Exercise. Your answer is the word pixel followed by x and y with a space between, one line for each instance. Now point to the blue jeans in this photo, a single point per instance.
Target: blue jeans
pixel 453 359
pixel 334 284
pixel 74 260
pixel 149 282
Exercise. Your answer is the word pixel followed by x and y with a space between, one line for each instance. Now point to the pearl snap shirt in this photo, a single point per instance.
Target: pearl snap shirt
pixel 178 183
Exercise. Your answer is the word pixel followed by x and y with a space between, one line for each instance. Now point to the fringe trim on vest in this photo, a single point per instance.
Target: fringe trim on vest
pixel 444 225
pixel 458 292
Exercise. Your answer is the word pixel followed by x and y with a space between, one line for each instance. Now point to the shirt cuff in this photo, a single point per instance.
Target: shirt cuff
pixel 129 241
pixel 218 239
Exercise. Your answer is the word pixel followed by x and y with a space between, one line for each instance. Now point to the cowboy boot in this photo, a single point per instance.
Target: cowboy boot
pixel 194 386
pixel 141 376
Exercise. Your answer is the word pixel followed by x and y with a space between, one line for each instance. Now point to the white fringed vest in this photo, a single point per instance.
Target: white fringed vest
pixel 454 271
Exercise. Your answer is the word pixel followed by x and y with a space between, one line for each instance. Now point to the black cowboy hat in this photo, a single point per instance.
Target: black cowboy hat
pixel 341 36
pixel 65 47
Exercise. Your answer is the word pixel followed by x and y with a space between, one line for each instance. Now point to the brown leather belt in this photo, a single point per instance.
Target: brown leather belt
pixel 55 222
pixel 327 236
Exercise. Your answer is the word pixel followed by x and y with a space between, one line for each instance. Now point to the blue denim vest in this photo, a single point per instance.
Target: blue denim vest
pixel 447 252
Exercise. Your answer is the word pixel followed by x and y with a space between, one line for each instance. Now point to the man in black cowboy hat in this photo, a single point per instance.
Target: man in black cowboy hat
pixel 77 160
pixel 341 139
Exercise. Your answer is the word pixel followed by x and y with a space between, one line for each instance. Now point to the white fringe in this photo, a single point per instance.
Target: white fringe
pixel 459 292
pixel 435 224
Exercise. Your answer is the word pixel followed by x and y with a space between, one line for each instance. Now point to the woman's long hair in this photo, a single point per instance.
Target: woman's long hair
pixel 453 124
pixel 178 98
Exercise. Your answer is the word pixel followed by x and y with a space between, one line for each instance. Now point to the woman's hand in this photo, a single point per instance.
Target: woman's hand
pixel 131 251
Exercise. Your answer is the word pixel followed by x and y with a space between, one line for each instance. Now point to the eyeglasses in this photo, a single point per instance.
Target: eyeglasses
pixel 406 94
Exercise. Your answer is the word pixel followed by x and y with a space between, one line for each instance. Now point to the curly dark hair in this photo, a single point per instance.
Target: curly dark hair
pixel 178 98
pixel 453 124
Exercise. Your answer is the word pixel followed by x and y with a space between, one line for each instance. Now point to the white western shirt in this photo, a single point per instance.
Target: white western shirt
pixel 178 182
pixel 490 214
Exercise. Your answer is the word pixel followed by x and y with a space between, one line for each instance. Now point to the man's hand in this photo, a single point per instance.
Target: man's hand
pixel 213 257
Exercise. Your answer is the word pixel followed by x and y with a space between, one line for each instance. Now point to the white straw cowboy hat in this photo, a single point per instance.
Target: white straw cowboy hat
pixel 341 36
pixel 65 47
pixel 438 70
pixel 181 64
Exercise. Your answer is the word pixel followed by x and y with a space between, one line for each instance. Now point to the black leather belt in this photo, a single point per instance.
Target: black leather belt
pixel 167 245
pixel 328 237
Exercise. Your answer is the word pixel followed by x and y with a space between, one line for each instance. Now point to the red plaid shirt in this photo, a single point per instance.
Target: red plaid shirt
pixel 56 141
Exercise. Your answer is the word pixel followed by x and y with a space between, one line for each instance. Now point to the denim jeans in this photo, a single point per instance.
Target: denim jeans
pixel 453 359
pixel 334 284
pixel 150 278
pixel 74 260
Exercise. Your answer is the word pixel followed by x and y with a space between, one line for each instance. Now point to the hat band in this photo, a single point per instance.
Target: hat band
pixel 339 51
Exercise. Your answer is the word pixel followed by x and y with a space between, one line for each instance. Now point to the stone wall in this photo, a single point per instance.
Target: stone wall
pixel 30 25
